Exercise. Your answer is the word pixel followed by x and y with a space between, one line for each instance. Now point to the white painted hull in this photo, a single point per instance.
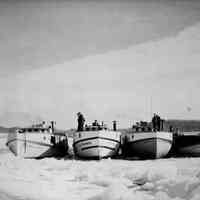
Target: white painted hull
pixel 96 144
pixel 32 145
pixel 149 144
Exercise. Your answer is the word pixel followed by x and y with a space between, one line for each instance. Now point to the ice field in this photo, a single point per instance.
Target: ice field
pixel 106 60
pixel 97 180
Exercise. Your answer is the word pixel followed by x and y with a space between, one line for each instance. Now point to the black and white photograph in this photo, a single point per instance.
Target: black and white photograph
pixel 99 99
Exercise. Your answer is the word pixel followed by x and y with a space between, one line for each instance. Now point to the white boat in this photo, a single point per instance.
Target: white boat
pixel 148 145
pixel 37 142
pixel 96 144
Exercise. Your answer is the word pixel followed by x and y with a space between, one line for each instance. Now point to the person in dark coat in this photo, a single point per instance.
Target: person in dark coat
pixel 156 122
pixel 81 121
pixel 95 123
pixel 154 119
pixel 114 125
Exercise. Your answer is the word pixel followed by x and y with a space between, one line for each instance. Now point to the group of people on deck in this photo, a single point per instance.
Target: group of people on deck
pixel 157 122
pixel 81 121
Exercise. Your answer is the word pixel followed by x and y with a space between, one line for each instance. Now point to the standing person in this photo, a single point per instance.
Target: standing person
pixel 81 121
pixel 114 125
pixel 95 123
pixel 154 122
pixel 158 123
pixel 162 124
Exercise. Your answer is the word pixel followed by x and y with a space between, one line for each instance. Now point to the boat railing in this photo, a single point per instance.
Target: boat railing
pixel 141 129
pixel 95 128
pixel 31 130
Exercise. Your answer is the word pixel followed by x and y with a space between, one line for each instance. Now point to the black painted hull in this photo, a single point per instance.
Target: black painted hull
pixel 187 146
pixel 149 145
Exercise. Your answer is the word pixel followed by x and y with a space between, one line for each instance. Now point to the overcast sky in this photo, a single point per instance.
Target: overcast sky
pixel 109 59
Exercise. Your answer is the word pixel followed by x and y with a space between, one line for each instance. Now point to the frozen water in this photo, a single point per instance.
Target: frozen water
pixel 163 179
pixel 108 179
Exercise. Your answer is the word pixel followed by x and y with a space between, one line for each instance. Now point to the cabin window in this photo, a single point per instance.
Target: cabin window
pixel 79 135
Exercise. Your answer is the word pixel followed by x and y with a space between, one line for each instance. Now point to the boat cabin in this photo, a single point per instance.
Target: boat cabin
pixel 44 133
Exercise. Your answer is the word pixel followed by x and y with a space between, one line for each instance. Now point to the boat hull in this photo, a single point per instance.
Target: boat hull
pixel 187 146
pixel 36 145
pixel 148 145
pixel 96 144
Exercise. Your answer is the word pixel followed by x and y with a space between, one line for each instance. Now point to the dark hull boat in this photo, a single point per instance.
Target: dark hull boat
pixel 147 145
pixel 187 145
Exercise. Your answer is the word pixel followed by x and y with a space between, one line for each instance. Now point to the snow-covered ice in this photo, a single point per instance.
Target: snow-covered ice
pixel 166 59
pixel 49 178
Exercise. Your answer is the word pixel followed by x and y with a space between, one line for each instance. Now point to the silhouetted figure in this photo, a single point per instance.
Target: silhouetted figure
pixel 114 125
pixel 162 124
pixel 156 122
pixel 81 121
pixel 95 123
